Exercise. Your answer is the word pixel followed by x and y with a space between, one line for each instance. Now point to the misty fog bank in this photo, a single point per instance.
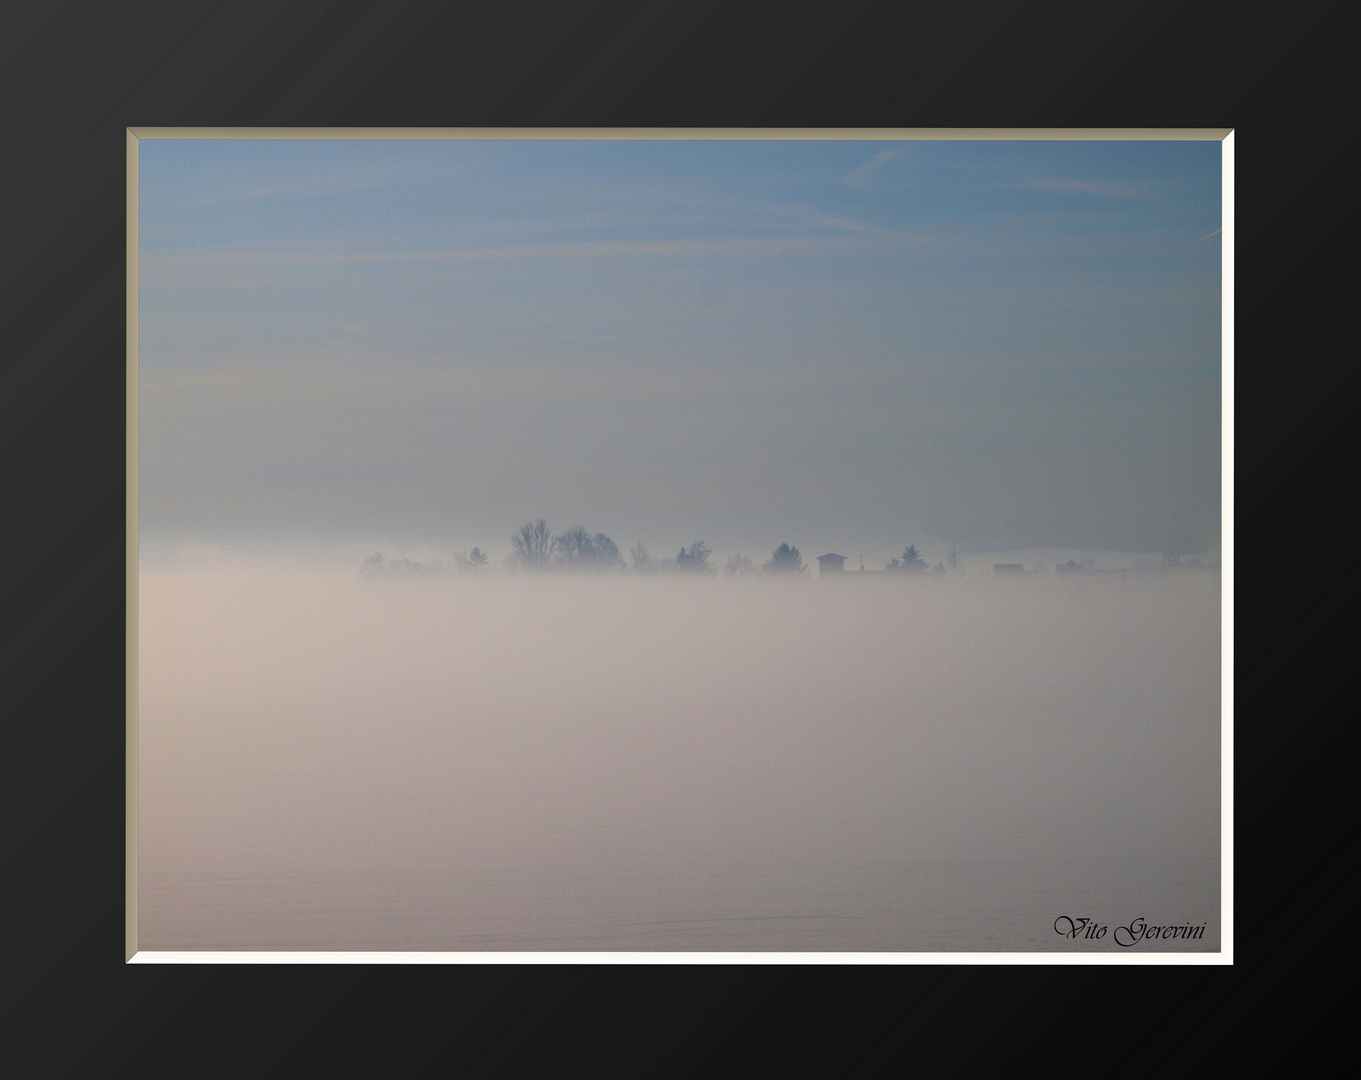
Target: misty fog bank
pixel 517 762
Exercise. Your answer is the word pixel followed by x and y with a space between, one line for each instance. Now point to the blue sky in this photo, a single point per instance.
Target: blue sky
pixel 842 344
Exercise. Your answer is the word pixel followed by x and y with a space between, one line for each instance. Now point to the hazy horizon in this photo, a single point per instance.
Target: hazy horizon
pixel 347 556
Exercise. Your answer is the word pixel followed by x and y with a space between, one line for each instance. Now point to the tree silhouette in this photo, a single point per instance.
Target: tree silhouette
pixel 643 563
pixel 532 546
pixel 573 545
pixel 694 559
pixel 577 549
pixel 911 562
pixel 785 560
pixel 607 555
pixel 473 562
pixel 378 566
pixel 738 566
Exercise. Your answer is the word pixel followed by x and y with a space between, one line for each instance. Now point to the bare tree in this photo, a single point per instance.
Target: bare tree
pixel 572 546
pixel 738 566
pixel 607 555
pixel 531 547
pixel 952 560
pixel 643 563
pixel 578 549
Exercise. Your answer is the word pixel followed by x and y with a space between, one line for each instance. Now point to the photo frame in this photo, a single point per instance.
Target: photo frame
pixel 1223 955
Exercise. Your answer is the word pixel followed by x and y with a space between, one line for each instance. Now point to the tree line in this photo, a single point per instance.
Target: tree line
pixel 535 548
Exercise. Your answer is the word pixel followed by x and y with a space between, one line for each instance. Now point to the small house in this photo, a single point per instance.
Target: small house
pixel 831 564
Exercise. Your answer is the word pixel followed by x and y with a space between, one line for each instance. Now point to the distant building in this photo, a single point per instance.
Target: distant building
pixel 1071 567
pixel 831 564
pixel 1008 568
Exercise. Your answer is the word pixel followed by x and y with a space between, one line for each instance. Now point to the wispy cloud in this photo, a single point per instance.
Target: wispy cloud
pixel 809 217
pixel 864 172
pixel 1104 188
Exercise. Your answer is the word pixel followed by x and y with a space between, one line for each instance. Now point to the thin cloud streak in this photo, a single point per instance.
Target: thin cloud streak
pixel 1105 188
pixel 812 218
pixel 863 173
pixel 175 270
pixel 740 247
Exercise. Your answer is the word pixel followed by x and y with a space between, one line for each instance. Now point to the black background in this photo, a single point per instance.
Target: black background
pixel 75 75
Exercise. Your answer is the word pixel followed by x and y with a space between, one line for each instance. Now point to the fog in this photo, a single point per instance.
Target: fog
pixel 622 762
